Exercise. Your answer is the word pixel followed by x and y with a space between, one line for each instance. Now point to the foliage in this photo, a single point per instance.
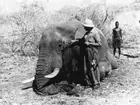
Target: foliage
pixel 26 26
pixel 20 32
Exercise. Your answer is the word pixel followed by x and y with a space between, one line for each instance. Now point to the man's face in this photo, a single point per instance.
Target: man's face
pixel 88 29
pixel 117 24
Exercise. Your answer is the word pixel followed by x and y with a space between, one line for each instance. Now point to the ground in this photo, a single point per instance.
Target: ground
pixel 122 87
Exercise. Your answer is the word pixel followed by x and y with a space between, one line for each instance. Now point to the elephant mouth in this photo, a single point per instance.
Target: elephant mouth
pixel 52 75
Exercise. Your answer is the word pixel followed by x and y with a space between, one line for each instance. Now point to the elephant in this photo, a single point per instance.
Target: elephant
pixel 56 53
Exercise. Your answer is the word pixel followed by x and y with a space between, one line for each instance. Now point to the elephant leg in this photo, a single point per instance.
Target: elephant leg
pixel 104 68
pixel 112 60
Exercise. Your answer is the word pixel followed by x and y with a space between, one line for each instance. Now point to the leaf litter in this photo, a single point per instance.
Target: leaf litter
pixel 122 87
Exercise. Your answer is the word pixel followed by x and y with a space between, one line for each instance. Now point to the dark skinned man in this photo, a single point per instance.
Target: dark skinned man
pixel 117 38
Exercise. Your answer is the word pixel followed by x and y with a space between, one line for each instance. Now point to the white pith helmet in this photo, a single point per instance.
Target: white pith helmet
pixel 88 23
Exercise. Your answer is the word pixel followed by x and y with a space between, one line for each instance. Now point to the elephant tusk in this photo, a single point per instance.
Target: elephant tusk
pixel 28 80
pixel 53 74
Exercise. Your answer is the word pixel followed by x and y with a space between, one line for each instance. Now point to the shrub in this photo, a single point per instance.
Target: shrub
pixel 25 29
pixel 21 31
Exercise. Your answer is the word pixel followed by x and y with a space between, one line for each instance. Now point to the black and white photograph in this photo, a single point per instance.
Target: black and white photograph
pixel 69 52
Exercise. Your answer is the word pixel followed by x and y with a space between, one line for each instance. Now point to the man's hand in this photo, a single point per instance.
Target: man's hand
pixel 93 62
pixel 72 41
pixel 87 43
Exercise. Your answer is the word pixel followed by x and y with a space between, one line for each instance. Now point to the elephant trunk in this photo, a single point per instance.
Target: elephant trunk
pixel 46 70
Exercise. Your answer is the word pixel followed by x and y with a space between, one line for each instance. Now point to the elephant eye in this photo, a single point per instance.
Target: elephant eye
pixel 60 47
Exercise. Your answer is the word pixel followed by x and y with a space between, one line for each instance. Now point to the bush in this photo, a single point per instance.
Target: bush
pixel 21 31
pixel 25 29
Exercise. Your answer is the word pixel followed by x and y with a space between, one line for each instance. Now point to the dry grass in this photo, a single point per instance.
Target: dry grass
pixel 120 88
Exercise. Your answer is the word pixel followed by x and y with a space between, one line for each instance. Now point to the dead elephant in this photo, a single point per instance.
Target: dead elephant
pixel 52 58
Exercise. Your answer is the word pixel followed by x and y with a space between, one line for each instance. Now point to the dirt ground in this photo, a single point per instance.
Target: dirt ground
pixel 122 87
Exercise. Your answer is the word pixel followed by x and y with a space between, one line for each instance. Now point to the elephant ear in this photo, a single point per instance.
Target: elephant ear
pixel 80 29
pixel 72 29
pixel 66 31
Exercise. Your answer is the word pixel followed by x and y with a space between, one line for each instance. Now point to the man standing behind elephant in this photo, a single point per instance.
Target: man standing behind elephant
pixel 92 40
pixel 117 38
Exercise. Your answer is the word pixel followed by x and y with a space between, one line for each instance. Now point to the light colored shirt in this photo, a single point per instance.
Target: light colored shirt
pixel 93 36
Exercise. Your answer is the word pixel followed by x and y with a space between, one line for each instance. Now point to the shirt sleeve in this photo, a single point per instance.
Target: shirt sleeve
pixel 97 38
